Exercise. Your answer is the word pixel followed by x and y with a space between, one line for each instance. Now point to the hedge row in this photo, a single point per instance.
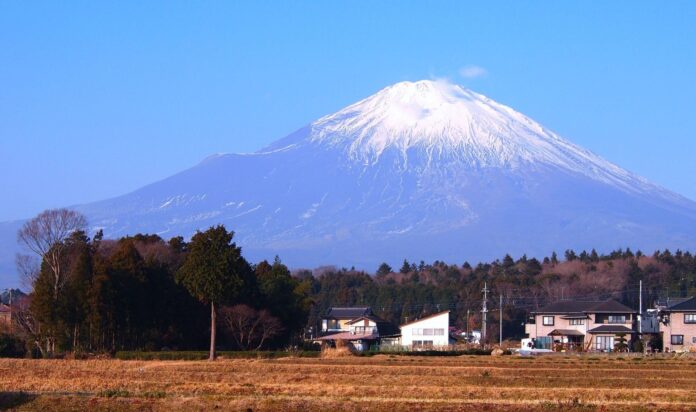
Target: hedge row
pixel 202 355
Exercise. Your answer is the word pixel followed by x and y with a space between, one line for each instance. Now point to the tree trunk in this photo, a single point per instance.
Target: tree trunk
pixel 212 331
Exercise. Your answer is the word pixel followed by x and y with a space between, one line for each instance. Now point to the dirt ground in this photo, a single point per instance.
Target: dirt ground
pixel 382 383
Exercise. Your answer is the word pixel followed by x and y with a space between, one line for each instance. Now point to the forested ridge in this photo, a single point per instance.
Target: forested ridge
pixel 525 284
pixel 134 294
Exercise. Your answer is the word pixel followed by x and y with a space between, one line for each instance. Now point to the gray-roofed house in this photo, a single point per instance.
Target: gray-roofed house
pixel 336 319
pixel 366 332
pixel 582 325
pixel 678 326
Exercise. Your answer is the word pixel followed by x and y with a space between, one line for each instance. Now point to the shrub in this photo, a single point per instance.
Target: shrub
pixel 114 393
pixel 11 346
pixel 638 346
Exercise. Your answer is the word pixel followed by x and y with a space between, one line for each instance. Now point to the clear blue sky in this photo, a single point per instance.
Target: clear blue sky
pixel 98 99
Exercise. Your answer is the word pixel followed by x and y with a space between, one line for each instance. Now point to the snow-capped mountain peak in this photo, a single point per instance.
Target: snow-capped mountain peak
pixel 419 170
pixel 435 121
pixel 439 117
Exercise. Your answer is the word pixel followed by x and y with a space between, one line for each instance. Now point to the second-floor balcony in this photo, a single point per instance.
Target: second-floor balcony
pixel 363 330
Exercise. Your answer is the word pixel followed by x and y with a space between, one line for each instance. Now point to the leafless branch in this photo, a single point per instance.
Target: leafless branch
pixel 44 235
pixel 250 328
pixel 28 268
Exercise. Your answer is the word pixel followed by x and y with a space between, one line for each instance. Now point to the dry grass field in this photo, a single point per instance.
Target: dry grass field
pixel 382 383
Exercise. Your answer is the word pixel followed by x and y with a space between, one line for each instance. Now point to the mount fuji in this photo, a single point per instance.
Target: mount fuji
pixel 420 170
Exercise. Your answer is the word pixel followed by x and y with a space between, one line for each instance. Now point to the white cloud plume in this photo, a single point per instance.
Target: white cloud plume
pixel 472 72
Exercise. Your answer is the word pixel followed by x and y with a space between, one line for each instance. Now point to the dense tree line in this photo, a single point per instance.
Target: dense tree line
pixel 142 292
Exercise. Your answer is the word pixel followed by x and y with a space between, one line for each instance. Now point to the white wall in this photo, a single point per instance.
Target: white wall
pixel 425 330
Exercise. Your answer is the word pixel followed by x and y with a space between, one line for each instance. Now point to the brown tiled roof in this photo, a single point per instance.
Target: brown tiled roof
pixel 565 332
pixel 350 336
pixel 610 306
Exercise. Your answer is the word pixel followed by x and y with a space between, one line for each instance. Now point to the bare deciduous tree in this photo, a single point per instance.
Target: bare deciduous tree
pixel 28 267
pixel 250 328
pixel 44 235
pixel 25 326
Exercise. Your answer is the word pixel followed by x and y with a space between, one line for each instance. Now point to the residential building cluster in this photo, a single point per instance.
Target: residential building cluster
pixel 586 326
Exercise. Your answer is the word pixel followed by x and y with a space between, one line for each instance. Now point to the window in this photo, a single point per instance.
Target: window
pixel 693 339
pixel 604 343
pixel 428 332
pixel 417 332
pixel 690 318
pixel 677 339
pixel 575 322
pixel 617 318
pixel 439 332
pixel 330 324
pixel 422 343
pixel 547 320
pixel 543 342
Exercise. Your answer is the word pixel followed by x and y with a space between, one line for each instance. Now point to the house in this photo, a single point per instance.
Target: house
pixel 428 332
pixel 366 332
pixel 336 319
pixel 678 325
pixel 582 325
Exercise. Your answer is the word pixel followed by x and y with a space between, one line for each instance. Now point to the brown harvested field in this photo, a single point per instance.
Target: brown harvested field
pixel 383 383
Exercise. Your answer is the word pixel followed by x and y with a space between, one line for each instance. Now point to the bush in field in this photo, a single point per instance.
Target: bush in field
pixel 621 345
pixel 638 346
pixel 11 346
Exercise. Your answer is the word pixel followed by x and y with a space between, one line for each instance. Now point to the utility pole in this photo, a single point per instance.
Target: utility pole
pixel 640 307
pixel 484 313
pixel 501 322
pixel 467 325
pixel 11 311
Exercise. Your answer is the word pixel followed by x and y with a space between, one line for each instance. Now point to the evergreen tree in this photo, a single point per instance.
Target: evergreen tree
pixel 284 296
pixel 570 255
pixel 384 269
pixel 594 256
pixel 213 271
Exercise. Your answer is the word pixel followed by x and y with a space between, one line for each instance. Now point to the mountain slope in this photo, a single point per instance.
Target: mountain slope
pixel 423 170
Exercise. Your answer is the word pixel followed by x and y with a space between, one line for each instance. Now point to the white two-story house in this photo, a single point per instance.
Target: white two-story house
pixel 428 332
